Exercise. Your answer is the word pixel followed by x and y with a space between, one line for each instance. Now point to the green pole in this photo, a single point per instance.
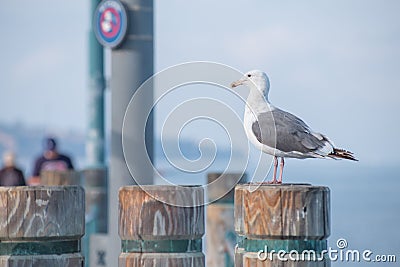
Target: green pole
pixel 95 132
pixel 95 141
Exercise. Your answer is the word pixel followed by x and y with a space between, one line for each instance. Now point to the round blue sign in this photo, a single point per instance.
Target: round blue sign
pixel 110 23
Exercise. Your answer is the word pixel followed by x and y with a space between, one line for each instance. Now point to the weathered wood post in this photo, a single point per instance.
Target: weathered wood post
pixel 94 181
pixel 154 233
pixel 282 225
pixel 41 226
pixel 55 178
pixel 220 234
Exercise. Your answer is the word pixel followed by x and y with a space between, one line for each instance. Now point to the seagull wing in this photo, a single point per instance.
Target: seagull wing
pixel 286 132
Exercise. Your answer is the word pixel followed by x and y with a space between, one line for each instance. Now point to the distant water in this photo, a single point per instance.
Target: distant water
pixel 365 202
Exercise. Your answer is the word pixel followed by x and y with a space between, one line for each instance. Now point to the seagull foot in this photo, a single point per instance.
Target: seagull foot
pixel 270 182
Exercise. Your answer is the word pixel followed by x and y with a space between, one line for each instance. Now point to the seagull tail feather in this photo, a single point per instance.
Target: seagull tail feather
pixel 342 154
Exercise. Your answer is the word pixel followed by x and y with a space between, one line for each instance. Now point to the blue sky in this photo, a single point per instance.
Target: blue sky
pixel 335 64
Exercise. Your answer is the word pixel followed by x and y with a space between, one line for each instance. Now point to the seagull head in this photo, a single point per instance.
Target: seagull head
pixel 254 80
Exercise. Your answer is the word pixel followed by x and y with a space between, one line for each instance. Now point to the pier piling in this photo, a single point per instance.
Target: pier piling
pixel 220 235
pixel 280 225
pixel 41 226
pixel 154 233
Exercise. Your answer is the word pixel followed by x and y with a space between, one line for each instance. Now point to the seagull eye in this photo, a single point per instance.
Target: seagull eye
pixel 249 75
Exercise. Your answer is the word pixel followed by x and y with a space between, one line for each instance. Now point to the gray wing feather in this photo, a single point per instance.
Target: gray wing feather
pixel 286 132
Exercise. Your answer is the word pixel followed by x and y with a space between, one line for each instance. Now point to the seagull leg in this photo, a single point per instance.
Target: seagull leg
pixel 281 170
pixel 275 169
pixel 274 181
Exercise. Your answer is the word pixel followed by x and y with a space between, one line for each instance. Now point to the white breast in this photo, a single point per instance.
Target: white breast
pixel 249 119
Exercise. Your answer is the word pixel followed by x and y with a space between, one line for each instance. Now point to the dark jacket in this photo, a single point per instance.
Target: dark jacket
pixel 11 176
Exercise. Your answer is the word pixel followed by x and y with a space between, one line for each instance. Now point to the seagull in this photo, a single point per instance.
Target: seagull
pixel 280 133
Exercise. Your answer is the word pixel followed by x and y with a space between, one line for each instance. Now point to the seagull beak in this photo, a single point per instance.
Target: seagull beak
pixel 237 83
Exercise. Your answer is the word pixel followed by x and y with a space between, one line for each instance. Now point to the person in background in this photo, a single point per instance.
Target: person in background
pixel 50 160
pixel 10 175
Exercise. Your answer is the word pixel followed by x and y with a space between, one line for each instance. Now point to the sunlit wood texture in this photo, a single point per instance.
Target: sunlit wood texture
pixel 41 226
pixel 287 217
pixel 155 233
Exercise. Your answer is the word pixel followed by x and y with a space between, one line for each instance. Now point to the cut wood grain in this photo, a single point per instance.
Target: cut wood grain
pixel 279 212
pixel 154 233
pixel 41 226
pixel 144 217
pixel 281 217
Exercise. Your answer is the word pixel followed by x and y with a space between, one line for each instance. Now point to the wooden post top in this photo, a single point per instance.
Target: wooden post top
pixel 287 211
pixel 145 212
pixel 42 213
pixel 285 186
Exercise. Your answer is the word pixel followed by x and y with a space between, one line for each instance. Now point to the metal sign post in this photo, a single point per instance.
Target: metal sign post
pixel 126 27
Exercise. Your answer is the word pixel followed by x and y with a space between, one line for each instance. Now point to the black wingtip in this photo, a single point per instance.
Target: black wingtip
pixel 342 154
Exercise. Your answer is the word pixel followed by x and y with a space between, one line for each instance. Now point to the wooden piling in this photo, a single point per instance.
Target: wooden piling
pixel 293 218
pixel 220 234
pixel 94 181
pixel 41 226
pixel 56 178
pixel 154 233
